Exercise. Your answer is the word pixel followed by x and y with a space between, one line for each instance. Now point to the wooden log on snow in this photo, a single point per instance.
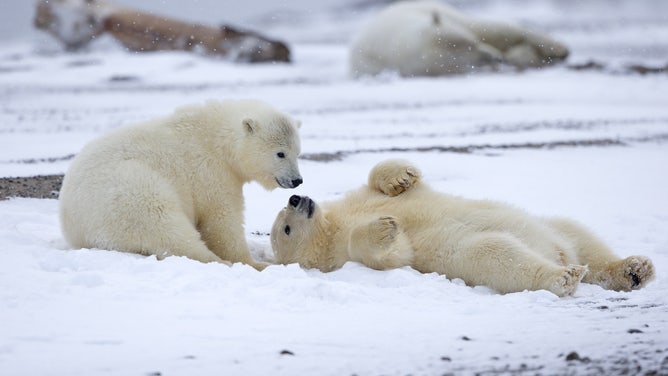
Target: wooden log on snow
pixel 76 22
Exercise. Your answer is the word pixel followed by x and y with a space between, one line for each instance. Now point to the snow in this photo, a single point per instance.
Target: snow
pixel 590 145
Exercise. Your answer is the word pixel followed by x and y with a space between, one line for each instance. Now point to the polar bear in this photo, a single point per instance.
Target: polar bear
pixel 396 220
pixel 173 186
pixel 428 38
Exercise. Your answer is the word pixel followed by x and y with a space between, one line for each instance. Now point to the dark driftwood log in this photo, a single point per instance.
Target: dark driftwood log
pixel 77 22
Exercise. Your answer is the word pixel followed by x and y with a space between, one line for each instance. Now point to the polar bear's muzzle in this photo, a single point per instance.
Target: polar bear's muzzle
pixel 289 183
pixel 303 204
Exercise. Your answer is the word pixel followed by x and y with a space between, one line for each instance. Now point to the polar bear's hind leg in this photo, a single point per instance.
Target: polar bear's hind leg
pixel 146 216
pixel 605 268
pixel 502 262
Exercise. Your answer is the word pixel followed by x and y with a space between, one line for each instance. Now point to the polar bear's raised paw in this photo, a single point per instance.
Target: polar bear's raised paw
pixel 394 177
pixel 401 183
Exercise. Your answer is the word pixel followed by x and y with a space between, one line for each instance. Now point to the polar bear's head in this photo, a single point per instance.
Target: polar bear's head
pixel 299 233
pixel 268 146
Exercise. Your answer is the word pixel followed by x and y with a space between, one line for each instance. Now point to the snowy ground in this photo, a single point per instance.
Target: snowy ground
pixel 588 144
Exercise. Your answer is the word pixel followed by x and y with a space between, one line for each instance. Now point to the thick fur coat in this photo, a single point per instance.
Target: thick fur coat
pixel 397 220
pixel 429 38
pixel 173 186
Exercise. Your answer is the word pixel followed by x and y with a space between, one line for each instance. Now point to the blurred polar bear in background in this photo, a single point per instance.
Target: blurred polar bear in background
pixel 428 38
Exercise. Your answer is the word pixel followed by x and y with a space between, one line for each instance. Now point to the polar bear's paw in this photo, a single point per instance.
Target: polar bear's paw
pixel 393 177
pixel 634 273
pixel 567 281
pixel 401 183
pixel 392 248
pixel 385 230
pixel 381 244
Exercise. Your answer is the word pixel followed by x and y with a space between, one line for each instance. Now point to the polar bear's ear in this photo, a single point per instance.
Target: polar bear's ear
pixel 250 125
pixel 298 123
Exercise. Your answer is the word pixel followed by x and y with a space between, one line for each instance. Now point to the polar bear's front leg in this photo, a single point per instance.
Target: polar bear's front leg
pixel 227 240
pixel 380 244
pixel 393 176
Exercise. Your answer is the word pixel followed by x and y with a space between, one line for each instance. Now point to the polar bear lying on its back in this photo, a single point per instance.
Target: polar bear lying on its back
pixel 174 186
pixel 428 38
pixel 397 221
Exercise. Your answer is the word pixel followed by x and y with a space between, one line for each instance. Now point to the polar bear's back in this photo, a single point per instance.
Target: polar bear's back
pixel 125 172
pixel 113 177
pixel 416 39
pixel 102 162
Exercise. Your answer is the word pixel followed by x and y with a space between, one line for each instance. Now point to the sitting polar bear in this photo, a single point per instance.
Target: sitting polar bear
pixel 397 221
pixel 428 38
pixel 174 186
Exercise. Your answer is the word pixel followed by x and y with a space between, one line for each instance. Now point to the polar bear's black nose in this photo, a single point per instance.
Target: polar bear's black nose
pixel 296 182
pixel 294 200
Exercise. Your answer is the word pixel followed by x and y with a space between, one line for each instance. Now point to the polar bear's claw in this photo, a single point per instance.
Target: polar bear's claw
pixel 394 177
pixel 386 229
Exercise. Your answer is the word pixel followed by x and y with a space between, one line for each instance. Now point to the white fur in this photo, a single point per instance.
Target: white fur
pixel 396 220
pixel 173 186
pixel 428 38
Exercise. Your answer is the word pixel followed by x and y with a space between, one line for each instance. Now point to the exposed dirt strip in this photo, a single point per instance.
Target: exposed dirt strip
pixel 48 186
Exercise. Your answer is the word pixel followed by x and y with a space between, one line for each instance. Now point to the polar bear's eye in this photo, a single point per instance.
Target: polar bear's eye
pixel 280 155
pixel 287 230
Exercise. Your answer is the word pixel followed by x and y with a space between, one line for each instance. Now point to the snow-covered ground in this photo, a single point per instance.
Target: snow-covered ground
pixel 587 144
